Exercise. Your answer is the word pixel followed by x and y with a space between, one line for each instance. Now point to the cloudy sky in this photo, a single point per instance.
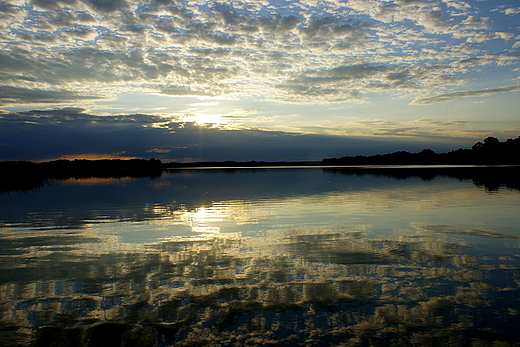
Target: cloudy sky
pixel 255 80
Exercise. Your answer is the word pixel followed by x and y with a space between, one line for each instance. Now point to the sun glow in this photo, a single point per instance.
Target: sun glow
pixel 206 119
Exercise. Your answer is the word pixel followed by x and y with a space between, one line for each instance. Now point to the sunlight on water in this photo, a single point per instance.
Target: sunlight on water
pixel 300 257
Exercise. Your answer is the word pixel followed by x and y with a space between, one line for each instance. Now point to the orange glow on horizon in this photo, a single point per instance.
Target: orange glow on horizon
pixel 91 156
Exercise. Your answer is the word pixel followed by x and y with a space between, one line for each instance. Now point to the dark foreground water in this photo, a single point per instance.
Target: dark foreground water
pixel 261 257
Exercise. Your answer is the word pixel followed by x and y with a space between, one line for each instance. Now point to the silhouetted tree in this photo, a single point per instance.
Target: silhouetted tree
pixel 490 142
pixel 478 146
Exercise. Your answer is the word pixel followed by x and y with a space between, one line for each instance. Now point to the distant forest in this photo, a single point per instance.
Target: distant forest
pixel 489 152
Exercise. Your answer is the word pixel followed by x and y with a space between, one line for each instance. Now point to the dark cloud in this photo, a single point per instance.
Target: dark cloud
pixel 85 18
pixel 78 32
pixel 465 94
pixel 348 82
pixel 279 23
pixel 338 74
pixel 134 29
pixel 221 38
pixel 296 91
pixel 15 95
pixel 53 4
pixel 163 2
pixel 8 9
pixel 106 5
pixel 166 25
pixel 409 2
pixel 325 26
pixel 500 58
pixel 38 135
pixel 42 135
pixel 228 14
pixel 86 64
pixel 335 84
pixel 40 37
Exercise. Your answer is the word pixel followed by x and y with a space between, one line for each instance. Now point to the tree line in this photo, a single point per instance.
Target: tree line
pixel 82 167
pixel 488 152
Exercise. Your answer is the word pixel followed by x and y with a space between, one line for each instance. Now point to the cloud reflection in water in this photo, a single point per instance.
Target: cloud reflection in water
pixel 330 260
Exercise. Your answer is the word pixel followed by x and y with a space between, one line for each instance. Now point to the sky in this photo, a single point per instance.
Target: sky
pixel 190 80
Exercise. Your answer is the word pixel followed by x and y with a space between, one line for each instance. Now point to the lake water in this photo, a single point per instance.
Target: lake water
pixel 253 257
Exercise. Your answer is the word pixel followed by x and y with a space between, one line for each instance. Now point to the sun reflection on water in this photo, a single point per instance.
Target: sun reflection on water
pixel 202 219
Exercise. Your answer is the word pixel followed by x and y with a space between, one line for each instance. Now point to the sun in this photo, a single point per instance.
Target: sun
pixel 203 119
pixel 206 119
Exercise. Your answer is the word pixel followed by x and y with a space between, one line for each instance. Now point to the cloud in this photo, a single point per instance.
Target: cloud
pixel 504 58
pixel 106 5
pixel 435 21
pixel 184 91
pixel 511 11
pixel 336 84
pixel 13 95
pixel 438 123
pixel 465 94
pixel 434 130
pixel 460 5
pixel 7 9
pixel 352 82
pixel 52 4
pixel 69 132
pixel 306 52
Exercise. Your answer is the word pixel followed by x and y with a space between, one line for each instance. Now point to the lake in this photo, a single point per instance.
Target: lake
pixel 265 256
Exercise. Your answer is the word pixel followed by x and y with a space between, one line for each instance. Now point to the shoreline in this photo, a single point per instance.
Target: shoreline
pixel 352 167
pixel 26 176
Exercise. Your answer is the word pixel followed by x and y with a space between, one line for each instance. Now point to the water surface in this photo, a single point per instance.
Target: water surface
pixel 312 257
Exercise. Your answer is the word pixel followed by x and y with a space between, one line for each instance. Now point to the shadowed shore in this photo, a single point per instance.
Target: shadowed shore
pixel 26 175
pixel 490 163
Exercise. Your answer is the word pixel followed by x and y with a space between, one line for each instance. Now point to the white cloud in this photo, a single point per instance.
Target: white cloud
pixel 298 52
pixel 459 5
pixel 511 11
pixel 504 36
